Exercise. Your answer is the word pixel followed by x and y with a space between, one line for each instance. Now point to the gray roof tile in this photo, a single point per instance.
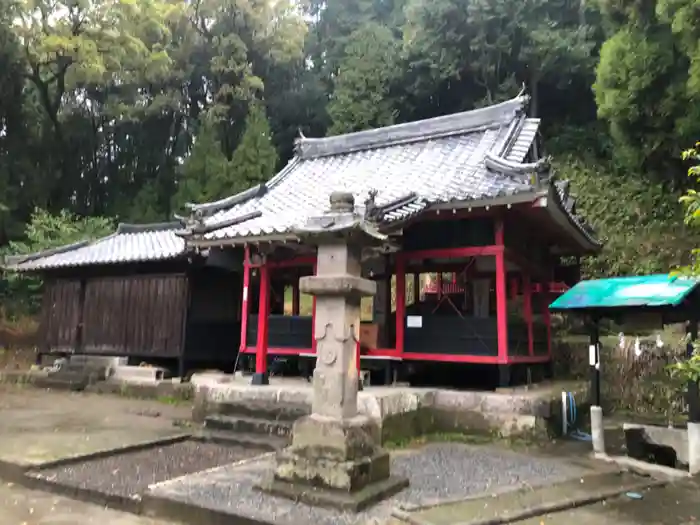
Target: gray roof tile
pixel 525 138
pixel 129 244
pixel 440 160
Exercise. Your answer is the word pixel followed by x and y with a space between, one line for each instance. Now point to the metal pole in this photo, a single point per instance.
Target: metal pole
pixel 597 428
pixel 594 361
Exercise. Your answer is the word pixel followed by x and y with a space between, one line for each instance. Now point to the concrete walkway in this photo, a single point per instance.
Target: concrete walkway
pixel 39 426
pixel 19 506
pixel 675 504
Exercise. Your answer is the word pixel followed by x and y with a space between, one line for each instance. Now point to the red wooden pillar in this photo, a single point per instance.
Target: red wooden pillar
pixel 401 301
pixel 260 377
pixel 244 301
pixel 501 296
pixel 527 307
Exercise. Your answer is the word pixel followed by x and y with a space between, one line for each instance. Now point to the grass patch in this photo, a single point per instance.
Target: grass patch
pixel 174 400
pixel 520 442
pixel 442 437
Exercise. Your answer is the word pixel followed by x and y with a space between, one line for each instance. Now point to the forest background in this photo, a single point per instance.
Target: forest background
pixel 123 110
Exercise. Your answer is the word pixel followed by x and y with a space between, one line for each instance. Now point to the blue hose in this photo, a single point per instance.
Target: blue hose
pixel 571 417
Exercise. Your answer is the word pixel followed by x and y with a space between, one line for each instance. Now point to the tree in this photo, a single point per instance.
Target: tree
pixel 362 96
pixel 644 88
pixel 639 226
pixel 205 172
pixel 45 231
pixel 255 158
pixel 466 54
pixel 208 175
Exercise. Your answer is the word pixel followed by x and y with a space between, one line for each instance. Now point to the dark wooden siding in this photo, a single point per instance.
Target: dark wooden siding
pixel 60 315
pixel 214 326
pixel 135 316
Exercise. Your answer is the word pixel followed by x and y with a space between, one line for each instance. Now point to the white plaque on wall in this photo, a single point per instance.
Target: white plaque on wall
pixel 414 321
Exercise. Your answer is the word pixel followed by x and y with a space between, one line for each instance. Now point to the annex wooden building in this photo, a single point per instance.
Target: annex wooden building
pixel 465 196
pixel 138 293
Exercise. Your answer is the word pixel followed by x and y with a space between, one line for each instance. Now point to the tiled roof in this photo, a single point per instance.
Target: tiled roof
pixel 129 244
pixel 469 156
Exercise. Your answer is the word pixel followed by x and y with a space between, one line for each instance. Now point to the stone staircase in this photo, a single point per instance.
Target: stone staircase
pixel 78 372
pixel 73 376
pixel 251 424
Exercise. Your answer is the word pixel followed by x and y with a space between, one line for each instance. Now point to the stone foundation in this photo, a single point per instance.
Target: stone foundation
pixel 334 463
pixel 401 412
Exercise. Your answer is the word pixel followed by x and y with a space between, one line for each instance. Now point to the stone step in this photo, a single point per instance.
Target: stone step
pixel 241 439
pixel 265 410
pixel 139 373
pixel 66 381
pixel 248 425
pixel 98 360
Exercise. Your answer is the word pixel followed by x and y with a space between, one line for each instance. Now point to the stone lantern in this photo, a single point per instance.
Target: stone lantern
pixel 335 458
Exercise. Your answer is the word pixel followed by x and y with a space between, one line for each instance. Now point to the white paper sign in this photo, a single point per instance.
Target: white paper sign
pixel 245 293
pixel 592 355
pixel 414 321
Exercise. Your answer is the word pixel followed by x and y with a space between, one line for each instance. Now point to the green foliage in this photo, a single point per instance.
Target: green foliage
pixel 43 232
pixel 691 204
pixel 647 83
pixel 361 99
pixel 640 223
pixel 203 168
pixel 208 175
pixel 686 371
pixel 255 158
pixel 130 108
pixel 491 48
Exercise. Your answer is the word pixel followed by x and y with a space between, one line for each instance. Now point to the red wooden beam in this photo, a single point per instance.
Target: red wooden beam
pixel 288 263
pixel 501 295
pixel 292 263
pixel 452 253
pixel 274 350
pixel 528 359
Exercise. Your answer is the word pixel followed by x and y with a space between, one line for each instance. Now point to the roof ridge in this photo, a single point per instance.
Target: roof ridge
pixel 124 228
pixel 13 260
pixel 419 130
pixel 210 208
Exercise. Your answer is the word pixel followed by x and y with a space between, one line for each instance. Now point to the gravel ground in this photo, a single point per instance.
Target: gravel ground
pixel 131 473
pixel 435 472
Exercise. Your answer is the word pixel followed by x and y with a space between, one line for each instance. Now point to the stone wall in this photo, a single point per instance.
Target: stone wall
pixel 403 413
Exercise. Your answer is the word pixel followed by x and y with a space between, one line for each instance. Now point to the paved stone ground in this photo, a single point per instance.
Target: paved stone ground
pixel 436 472
pixel 19 506
pixel 675 504
pixel 39 426
pixel 508 504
